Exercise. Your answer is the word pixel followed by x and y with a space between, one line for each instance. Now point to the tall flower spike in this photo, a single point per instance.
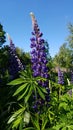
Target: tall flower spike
pixel 38 54
pixel 12 46
pixel 15 64
pixel 33 18
pixel 39 60
pixel 9 38
pixel 60 77
pixel 72 77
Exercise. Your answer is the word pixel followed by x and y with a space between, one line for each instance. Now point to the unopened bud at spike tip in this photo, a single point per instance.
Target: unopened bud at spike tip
pixel 32 18
pixel 31 13
pixel 9 38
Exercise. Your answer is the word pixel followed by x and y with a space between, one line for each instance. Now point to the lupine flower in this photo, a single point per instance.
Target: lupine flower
pixel 38 55
pixel 15 64
pixel 72 77
pixel 60 77
pixel 39 59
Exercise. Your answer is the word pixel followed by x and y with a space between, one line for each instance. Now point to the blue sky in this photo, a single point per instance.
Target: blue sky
pixel 53 17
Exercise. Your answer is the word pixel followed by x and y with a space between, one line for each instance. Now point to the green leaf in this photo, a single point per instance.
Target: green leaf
pixel 44 123
pixel 26 117
pixel 17 122
pixel 29 128
pixel 63 105
pixel 17 81
pixel 41 93
pixel 22 95
pixel 58 126
pixel 29 94
pixel 43 90
pixel 64 128
pixel 21 110
pixel 71 127
pixel 13 117
pixel 36 123
pixel 20 89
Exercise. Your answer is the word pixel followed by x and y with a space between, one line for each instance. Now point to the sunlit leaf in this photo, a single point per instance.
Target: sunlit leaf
pixel 11 119
pixel 17 122
pixel 16 81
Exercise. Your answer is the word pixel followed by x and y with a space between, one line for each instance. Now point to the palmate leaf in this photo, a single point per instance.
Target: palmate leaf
pixel 17 122
pixel 36 123
pixel 44 124
pixel 24 93
pixel 29 93
pixel 12 118
pixel 20 89
pixel 26 90
pixel 17 81
pixel 42 95
pixel 26 74
pixel 43 90
pixel 17 113
pixel 17 118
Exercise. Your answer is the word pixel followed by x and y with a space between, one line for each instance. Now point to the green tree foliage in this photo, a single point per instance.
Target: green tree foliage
pixel 23 56
pixel 2 36
pixel 70 37
pixel 64 57
pixel 3 66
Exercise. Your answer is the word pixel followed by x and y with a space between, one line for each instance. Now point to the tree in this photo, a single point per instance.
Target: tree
pixel 2 36
pixel 70 37
pixel 64 58
pixel 23 56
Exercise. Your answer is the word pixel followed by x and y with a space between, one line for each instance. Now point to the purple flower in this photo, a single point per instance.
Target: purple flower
pixel 39 60
pixel 15 64
pixel 72 77
pixel 32 39
pixel 60 77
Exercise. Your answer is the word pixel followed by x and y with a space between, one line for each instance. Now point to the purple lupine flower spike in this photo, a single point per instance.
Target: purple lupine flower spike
pixel 72 77
pixel 39 58
pixel 15 64
pixel 38 54
pixel 12 46
pixel 60 77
